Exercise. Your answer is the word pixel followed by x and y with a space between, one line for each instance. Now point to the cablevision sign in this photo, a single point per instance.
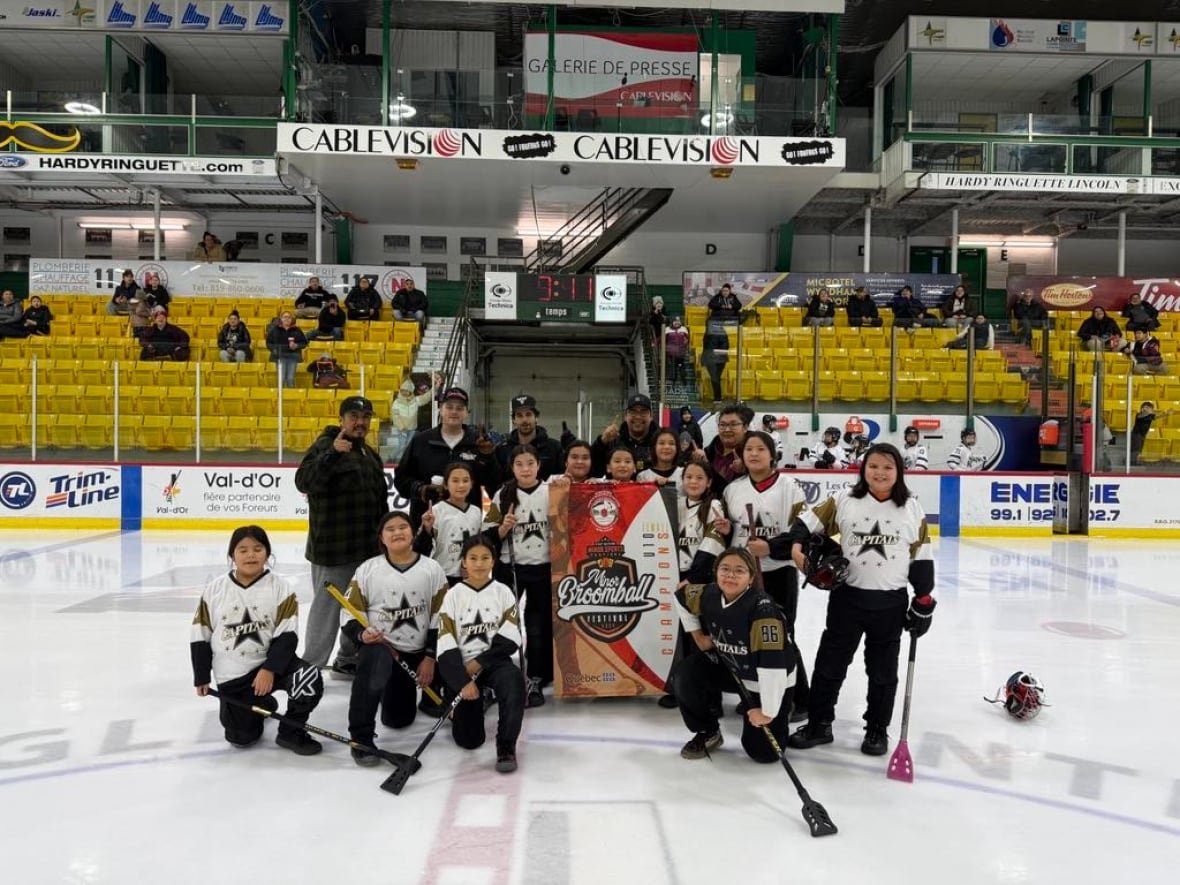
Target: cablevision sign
pixel 559 147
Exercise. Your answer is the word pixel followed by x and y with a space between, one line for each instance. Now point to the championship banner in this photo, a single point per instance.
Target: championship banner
pixel 775 289
pixel 615 571
pixel 1086 293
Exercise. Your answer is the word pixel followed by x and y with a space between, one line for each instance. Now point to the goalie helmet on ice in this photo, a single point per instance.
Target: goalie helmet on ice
pixel 827 565
pixel 1022 696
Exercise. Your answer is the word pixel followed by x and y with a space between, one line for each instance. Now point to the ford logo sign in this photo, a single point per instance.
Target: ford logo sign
pixel 11 162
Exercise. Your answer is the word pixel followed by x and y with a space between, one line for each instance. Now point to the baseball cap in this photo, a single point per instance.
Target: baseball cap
pixel 524 403
pixel 356 404
pixel 455 393
pixel 639 401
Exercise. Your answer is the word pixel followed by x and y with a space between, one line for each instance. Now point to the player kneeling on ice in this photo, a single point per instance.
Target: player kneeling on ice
pixel 399 593
pixel 245 633
pixel 741 632
pixel 883 535
pixel 478 633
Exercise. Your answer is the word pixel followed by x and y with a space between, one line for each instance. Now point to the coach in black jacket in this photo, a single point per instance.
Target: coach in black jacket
pixel 429 453
pixel 527 432
pixel 347 495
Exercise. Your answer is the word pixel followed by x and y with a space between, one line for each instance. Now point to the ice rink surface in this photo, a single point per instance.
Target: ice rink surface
pixel 113 771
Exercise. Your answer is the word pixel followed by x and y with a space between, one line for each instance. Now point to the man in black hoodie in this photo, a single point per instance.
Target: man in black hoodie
pixel 637 434
pixel 347 495
pixel 419 473
pixel 528 433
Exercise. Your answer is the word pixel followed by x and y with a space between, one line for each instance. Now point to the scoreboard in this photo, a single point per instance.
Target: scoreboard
pixel 554 297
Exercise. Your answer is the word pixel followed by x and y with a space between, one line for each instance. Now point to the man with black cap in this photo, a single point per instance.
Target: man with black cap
pixel 418 477
pixel 526 432
pixel 638 434
pixel 347 495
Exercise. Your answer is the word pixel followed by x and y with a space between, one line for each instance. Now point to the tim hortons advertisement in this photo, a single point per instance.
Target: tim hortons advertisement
pixel 193 279
pixel 559 147
pixel 1085 293
pixel 615 571
pixel 795 289
pixel 608 73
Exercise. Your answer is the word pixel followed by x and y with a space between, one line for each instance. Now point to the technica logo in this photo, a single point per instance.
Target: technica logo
pixel 193 20
pixel 229 20
pixel 119 17
pixel 267 20
pixel 155 18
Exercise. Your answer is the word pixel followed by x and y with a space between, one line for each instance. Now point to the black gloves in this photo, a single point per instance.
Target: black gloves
pixel 921 612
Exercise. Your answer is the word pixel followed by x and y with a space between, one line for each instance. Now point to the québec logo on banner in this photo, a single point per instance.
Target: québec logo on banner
pixel 230 19
pixel 193 20
pixel 155 18
pixel 119 17
pixel 266 20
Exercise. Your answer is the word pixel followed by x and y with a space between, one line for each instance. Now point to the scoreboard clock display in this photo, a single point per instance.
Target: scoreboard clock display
pixel 557 298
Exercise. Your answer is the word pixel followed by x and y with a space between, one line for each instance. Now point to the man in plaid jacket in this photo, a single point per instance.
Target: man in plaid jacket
pixel 347 495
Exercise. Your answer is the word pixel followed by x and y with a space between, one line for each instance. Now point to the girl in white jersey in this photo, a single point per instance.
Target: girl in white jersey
pixel 478 635
pixel 518 522
pixel 244 635
pixel 701 527
pixel 399 593
pixel 762 504
pixel 450 522
pixel 883 534
pixel 664 469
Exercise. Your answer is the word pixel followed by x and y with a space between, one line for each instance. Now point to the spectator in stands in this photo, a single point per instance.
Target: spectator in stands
pixel 12 323
pixel 331 322
pixel 1027 315
pixel 163 341
pixel 1140 315
pixel 637 434
pixel 37 317
pixel 657 319
pixel 821 310
pixel 981 330
pixel 209 249
pixel 233 341
pixel 689 425
pixel 676 351
pixel 404 415
pixel 311 300
pixel 409 303
pixel 908 311
pixel 363 301
pixel 1145 355
pixel 1142 426
pixel 724 309
pixel 957 309
pixel 724 452
pixel 286 343
pixel 154 292
pixel 128 289
pixel 1097 330
pixel 862 310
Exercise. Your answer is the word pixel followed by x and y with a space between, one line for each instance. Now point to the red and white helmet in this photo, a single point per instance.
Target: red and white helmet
pixel 1022 696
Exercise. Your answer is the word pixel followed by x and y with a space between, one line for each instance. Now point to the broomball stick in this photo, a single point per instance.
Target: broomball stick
pixel 407 765
pixel 817 817
pixel 757 560
pixel 510 501
pixel 360 618
pixel 901 766
pixel 398 760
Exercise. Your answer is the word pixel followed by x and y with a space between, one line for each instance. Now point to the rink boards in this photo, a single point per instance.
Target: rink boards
pixel 219 496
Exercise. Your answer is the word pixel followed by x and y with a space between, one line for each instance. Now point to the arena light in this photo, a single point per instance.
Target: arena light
pixel 721 120
pixel 131 225
pixel 81 107
pixel 402 109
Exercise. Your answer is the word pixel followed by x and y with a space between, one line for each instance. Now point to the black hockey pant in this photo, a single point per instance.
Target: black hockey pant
pixel 782 585
pixel 304 687
pixel 467 727
pixel 380 681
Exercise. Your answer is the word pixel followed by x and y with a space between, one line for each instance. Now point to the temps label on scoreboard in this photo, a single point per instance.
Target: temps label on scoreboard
pixel 561 298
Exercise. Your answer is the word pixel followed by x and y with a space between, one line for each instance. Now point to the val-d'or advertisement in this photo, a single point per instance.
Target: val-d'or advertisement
pixel 615 571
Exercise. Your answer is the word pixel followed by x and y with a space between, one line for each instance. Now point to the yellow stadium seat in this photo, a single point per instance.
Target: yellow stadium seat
pixel 142 372
pixel 955 389
pixel 62 398
pixel 178 401
pixel 266 435
pixel 930 389
pixel 770 386
pixel 213 431
pixel 198 308
pixel 798 385
pixel 876 386
pixel 96 432
pixel 231 401
pixel 849 387
pixel 987 387
pixel 1155 449
pixel 239 434
pixel 97 399
pixel 152 400
pixel 826 380
pixel 87 327
pixel 61 430
pixel 14 399
pixel 14 430
pixel 1013 389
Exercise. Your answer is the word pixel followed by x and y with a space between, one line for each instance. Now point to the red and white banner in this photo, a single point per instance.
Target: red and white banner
pixel 1086 293
pixel 628 74
pixel 615 572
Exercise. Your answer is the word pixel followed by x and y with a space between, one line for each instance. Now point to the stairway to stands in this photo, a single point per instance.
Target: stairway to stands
pixel 1023 359
pixel 434 344
pixel 683 393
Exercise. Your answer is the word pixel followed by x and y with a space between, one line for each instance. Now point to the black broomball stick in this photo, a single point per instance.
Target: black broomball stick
pixel 398 760
pixel 816 816
pixel 510 538
pixel 757 560
pixel 407 765
pixel 360 618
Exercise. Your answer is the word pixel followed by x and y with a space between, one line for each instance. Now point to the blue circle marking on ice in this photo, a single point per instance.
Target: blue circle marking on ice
pixel 17 490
